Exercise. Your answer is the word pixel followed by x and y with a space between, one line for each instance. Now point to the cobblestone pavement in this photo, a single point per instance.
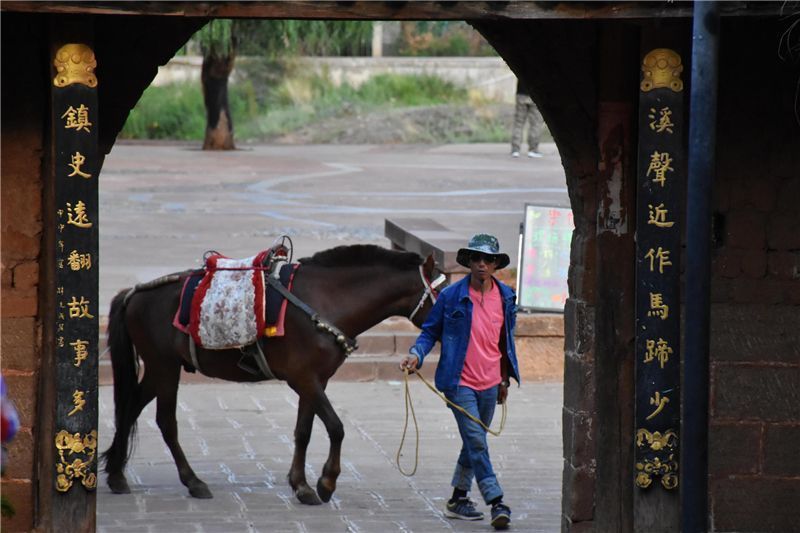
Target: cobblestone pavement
pixel 239 440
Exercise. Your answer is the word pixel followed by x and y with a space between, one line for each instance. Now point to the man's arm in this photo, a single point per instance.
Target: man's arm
pixel 431 332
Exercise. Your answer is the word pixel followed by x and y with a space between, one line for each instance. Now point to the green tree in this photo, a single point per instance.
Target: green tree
pixel 217 42
pixel 442 38
pixel 282 38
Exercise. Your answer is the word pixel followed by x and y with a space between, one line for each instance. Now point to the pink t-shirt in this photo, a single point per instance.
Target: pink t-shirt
pixel 482 364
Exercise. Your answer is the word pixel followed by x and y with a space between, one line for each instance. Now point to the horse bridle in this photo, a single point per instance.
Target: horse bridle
pixel 428 292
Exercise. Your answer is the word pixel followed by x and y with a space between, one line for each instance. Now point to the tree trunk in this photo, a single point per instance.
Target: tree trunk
pixel 219 125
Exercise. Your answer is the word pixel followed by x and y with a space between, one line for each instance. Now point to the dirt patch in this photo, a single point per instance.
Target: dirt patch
pixel 432 124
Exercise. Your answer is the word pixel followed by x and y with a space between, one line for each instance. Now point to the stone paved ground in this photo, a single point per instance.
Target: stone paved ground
pixel 163 205
pixel 239 440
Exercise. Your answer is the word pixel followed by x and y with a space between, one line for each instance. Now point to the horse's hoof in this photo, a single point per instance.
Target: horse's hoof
pixel 118 484
pixel 324 492
pixel 198 489
pixel 307 496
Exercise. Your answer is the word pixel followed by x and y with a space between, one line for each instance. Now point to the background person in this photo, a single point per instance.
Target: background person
pixel 474 320
pixel 526 111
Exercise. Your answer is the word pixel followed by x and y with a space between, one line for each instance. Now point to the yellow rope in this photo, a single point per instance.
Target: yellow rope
pixel 410 404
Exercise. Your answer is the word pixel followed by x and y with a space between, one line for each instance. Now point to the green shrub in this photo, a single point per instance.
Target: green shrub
pixel 171 112
pixel 289 103
pixel 396 90
pixel 177 111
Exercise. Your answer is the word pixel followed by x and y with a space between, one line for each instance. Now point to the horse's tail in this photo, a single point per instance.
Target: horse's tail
pixel 125 365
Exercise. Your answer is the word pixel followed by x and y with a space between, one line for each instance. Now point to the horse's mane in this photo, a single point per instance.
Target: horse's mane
pixel 363 255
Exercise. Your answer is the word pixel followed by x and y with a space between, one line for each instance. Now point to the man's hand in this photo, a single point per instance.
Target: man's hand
pixel 502 393
pixel 410 362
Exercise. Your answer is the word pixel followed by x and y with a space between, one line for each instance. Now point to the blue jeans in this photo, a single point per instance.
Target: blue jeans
pixel 473 461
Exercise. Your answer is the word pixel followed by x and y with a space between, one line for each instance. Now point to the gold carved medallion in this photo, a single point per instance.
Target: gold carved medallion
pixel 660 461
pixel 75 63
pixel 72 466
pixel 662 68
pixel 647 469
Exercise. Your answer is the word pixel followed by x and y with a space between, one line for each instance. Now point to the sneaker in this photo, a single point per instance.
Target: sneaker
pixel 514 154
pixel 501 516
pixel 463 509
pixel 534 153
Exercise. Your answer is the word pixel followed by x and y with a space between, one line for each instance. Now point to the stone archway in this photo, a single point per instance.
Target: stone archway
pixel 128 61
pixel 579 72
pixel 557 62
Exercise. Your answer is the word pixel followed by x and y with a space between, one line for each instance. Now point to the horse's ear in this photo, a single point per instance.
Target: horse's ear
pixel 429 264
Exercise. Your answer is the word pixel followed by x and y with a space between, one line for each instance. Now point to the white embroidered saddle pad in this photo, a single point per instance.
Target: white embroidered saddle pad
pixel 228 306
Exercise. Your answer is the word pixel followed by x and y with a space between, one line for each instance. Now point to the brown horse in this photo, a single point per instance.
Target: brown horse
pixel 352 288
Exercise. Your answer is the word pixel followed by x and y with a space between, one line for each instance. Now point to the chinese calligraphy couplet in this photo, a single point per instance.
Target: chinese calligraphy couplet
pixel 660 182
pixel 76 162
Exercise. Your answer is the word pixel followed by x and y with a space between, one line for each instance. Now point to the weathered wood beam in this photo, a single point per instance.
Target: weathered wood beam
pixel 362 10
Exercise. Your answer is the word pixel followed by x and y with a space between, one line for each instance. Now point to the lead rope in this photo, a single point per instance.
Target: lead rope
pixel 410 406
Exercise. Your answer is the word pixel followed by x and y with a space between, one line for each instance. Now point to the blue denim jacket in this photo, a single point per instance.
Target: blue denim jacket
pixel 450 322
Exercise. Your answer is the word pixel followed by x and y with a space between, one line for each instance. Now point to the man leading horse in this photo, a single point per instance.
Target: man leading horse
pixel 474 320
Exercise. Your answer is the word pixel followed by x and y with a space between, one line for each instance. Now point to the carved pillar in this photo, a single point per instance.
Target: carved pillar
pixel 67 440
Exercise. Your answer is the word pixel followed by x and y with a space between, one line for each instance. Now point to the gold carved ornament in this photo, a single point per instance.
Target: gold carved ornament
pixel 79 468
pixel 75 63
pixel 648 468
pixel 656 440
pixel 662 68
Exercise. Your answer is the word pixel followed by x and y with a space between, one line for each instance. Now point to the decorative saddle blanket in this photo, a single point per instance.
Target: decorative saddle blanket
pixel 227 305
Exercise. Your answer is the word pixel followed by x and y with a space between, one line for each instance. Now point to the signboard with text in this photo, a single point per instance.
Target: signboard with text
pixel 544 258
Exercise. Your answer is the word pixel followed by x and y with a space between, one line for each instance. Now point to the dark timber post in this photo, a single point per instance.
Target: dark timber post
pixel 659 198
pixel 614 318
pixel 68 422
pixel 702 140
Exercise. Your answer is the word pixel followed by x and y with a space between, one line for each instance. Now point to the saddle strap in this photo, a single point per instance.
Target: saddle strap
pixel 254 350
pixel 348 345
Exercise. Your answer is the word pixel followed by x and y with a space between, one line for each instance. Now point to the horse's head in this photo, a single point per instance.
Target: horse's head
pixel 386 282
pixel 430 279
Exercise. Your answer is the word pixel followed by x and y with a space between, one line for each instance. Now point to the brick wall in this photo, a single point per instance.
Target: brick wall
pixel 539 340
pixel 21 233
pixel 755 317
pixel 21 224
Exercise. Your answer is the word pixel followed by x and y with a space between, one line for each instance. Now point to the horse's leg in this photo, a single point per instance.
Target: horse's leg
pixel 116 467
pixel 165 418
pixel 130 396
pixel 326 484
pixel 302 436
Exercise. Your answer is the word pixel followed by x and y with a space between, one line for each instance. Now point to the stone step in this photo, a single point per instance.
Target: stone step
pixel 379 354
pixel 385 342
pixel 395 324
pixel 539 342
pixel 355 368
pixel 395 335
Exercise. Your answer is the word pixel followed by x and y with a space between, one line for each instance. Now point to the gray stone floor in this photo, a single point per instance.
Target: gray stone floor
pixel 239 440
pixel 163 205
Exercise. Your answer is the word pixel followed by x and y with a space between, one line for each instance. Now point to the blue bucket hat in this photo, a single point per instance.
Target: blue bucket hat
pixel 484 243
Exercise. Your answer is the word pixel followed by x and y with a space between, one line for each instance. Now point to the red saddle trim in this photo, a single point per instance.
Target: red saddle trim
pixel 176 320
pixel 278 329
pixel 203 286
